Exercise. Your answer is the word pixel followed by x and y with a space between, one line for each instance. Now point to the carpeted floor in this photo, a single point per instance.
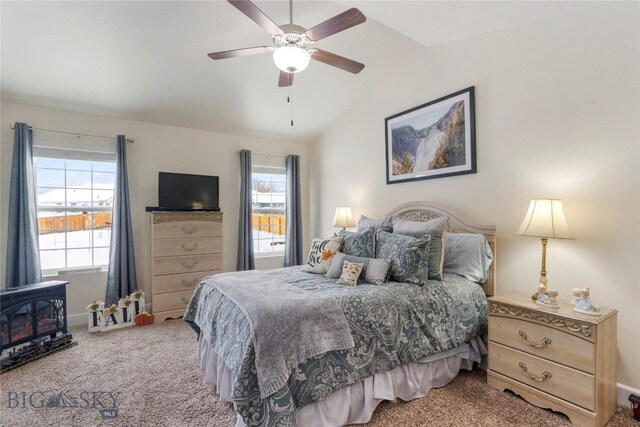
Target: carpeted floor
pixel 154 377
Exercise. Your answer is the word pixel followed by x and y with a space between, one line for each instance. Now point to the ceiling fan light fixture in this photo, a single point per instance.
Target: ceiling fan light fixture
pixel 291 59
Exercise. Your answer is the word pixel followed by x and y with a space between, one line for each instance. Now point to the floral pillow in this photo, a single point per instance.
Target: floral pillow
pixel 322 251
pixel 408 256
pixel 420 229
pixel 360 244
pixel 350 273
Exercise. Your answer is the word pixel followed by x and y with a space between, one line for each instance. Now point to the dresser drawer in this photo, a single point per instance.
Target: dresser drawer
pixel 543 341
pixel 569 384
pixel 179 282
pixel 187 246
pixel 186 264
pixel 178 229
pixel 171 301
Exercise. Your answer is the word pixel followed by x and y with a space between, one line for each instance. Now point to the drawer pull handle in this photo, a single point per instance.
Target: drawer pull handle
pixel 189 248
pixel 189 282
pixel 189 265
pixel 543 344
pixel 545 375
pixel 189 230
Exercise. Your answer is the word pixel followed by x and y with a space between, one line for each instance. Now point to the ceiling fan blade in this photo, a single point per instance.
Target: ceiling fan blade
pixel 345 20
pixel 240 52
pixel 286 79
pixel 337 61
pixel 257 16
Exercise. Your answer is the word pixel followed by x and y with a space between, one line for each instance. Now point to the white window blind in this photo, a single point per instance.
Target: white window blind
pixel 73 147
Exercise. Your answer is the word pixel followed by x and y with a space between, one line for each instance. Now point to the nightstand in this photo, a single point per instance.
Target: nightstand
pixel 554 358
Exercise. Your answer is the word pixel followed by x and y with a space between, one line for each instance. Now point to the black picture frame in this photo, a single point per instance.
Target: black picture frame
pixel 433 140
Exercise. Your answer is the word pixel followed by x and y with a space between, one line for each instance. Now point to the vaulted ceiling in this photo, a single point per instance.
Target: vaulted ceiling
pixel 148 60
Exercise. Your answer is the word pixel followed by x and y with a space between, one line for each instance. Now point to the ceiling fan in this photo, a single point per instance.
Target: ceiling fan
pixel 292 43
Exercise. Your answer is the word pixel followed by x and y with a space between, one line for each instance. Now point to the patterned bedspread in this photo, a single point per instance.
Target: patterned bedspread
pixel 391 324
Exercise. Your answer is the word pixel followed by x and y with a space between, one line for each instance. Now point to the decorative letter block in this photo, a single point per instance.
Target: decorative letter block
pixel 115 316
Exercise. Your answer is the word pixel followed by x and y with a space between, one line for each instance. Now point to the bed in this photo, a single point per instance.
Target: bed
pixel 406 339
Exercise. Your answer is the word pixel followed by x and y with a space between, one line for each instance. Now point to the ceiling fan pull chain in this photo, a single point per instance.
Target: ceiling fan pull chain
pixel 290 101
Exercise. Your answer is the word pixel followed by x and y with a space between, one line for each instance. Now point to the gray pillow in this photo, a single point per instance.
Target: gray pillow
pixel 359 244
pixel 408 256
pixel 385 223
pixel 467 255
pixel 419 229
pixel 375 271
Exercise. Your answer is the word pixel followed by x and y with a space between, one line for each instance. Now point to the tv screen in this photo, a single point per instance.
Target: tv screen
pixel 182 191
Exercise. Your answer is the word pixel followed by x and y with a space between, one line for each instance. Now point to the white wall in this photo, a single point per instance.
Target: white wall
pixel 557 112
pixel 156 148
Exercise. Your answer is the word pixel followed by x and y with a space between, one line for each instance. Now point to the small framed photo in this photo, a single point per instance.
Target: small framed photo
pixel 432 140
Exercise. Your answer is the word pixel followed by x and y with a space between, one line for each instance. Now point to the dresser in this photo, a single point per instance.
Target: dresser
pixel 185 248
pixel 554 358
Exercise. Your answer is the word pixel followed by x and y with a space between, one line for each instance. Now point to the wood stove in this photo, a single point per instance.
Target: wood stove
pixel 31 312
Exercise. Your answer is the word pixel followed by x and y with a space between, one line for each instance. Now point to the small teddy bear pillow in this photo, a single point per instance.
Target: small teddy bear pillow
pixel 350 273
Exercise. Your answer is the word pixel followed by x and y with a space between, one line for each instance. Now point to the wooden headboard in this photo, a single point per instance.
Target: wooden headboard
pixel 422 211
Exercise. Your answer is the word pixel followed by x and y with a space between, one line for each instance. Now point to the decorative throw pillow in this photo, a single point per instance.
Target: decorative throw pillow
pixel 322 251
pixel 435 229
pixel 407 255
pixel 384 223
pixel 468 255
pixel 360 244
pixel 350 273
pixel 375 270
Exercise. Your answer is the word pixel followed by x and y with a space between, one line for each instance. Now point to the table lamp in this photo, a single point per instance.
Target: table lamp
pixel 545 219
pixel 343 217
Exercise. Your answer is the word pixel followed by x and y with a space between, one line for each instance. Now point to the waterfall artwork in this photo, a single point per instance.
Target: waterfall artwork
pixel 432 140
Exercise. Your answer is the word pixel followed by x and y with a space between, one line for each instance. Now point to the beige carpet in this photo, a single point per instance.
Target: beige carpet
pixel 155 371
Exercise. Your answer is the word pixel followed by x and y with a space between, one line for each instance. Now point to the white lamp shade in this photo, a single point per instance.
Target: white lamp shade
pixel 291 59
pixel 545 218
pixel 343 217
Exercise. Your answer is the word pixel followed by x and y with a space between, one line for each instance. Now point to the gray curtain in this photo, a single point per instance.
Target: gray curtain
pixel 293 232
pixel 246 260
pixel 121 279
pixel 23 254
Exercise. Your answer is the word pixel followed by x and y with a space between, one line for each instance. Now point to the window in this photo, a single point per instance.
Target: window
pixel 74 203
pixel 268 199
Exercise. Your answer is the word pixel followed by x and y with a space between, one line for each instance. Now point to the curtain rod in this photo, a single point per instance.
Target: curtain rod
pixel 131 140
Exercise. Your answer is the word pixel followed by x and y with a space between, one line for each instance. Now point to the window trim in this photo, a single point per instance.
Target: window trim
pixel 269 169
pixel 66 209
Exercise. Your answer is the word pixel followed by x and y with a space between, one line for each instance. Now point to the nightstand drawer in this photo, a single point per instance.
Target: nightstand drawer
pixel 569 384
pixel 544 342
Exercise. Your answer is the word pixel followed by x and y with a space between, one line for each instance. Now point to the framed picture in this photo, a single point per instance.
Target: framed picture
pixel 432 140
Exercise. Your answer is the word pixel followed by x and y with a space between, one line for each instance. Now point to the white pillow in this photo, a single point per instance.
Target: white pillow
pixel 322 251
pixel 467 255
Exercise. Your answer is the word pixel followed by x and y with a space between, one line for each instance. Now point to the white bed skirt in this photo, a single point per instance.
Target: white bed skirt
pixel 355 404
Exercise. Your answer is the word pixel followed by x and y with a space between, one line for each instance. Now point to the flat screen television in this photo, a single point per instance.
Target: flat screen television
pixel 181 191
